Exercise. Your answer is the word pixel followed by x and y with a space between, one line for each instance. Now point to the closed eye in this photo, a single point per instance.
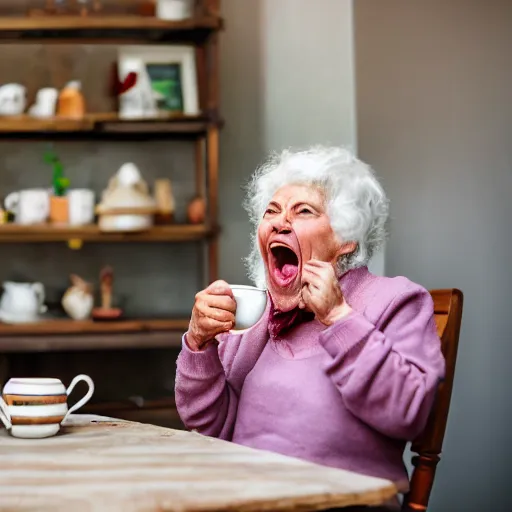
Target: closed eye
pixel 305 211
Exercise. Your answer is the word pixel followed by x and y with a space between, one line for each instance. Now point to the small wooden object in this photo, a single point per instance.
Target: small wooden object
pixel 196 211
pixel 106 311
pixel 428 446
pixel 165 201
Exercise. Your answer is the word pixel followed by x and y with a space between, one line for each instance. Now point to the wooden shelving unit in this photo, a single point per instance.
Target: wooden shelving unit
pixel 45 233
pixel 202 32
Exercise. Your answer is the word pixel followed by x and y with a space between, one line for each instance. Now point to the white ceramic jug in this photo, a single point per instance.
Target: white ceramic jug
pixel 22 302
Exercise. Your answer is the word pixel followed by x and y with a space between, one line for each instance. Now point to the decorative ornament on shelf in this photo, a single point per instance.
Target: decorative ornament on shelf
pixel 106 311
pixel 165 201
pixel 174 10
pixel 126 204
pixel 135 94
pixel 78 300
pixel 196 210
pixel 71 102
pixel 59 207
pixel 13 99
pixel 45 103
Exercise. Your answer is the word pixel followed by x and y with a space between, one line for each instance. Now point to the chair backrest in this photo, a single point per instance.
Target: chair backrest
pixel 428 446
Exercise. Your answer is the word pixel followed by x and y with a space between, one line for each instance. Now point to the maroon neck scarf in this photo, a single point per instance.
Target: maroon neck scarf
pixel 280 322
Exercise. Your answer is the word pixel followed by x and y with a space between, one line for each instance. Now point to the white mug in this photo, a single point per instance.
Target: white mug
pixel 250 305
pixel 81 206
pixel 36 407
pixel 30 206
pixel 46 102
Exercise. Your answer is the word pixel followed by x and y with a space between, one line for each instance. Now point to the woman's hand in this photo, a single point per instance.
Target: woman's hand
pixel 213 313
pixel 321 292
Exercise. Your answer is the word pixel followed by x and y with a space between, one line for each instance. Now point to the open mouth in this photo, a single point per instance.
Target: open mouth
pixel 285 263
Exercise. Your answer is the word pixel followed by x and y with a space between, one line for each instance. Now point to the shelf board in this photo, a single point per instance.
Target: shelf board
pixel 41 233
pixel 73 335
pixel 106 28
pixel 103 125
pixel 67 326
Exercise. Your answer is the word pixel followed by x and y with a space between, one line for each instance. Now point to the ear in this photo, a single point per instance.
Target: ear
pixel 346 248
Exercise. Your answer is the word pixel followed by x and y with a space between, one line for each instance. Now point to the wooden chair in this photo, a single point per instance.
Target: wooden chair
pixel 428 446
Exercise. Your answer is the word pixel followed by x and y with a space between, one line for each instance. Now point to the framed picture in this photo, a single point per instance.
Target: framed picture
pixel 166 81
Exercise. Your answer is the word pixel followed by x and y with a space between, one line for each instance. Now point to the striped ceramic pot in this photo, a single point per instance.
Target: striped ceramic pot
pixel 35 408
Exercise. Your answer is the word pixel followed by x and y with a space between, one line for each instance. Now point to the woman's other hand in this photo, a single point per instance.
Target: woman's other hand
pixel 213 313
pixel 321 292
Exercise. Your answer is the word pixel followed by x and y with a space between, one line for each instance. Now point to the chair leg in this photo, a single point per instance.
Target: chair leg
pixel 416 500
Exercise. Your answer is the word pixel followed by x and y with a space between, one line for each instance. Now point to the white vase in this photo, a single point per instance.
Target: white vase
pixel 174 9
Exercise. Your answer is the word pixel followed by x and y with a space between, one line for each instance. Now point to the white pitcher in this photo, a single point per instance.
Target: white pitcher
pixel 22 302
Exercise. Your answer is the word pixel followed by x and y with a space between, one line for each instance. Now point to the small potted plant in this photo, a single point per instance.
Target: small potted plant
pixel 59 206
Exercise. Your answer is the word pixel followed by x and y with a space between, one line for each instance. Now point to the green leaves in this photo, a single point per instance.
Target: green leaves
pixel 59 182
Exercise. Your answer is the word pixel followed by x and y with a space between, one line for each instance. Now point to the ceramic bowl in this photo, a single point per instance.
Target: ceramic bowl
pixel 250 305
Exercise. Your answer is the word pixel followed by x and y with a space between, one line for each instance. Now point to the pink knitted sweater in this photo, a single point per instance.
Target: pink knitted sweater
pixel 349 395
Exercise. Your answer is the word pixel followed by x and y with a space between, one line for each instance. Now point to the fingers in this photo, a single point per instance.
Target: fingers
pixel 221 315
pixel 312 278
pixel 219 287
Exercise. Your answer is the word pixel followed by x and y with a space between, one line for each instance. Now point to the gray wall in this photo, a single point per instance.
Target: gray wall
pixel 287 80
pixel 434 88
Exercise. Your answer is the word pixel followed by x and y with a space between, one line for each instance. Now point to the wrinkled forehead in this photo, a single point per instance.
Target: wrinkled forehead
pixel 297 192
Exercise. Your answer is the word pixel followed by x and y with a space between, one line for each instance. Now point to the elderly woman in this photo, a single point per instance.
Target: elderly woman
pixel 343 367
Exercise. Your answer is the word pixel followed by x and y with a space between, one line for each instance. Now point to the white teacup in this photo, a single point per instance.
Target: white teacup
pixel 250 305
pixel 35 408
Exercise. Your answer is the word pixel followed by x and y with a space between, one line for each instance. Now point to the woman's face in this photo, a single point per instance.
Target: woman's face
pixel 295 229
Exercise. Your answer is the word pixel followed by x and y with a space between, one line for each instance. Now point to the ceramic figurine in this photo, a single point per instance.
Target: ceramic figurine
pixel 196 210
pixel 106 311
pixel 165 201
pixel 136 97
pixel 126 204
pixel 71 103
pixel 78 300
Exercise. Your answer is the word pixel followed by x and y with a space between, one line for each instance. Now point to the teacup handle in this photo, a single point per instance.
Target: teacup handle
pixel 5 417
pixel 83 400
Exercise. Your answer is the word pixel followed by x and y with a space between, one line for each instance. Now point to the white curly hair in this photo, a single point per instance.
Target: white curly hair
pixel 356 203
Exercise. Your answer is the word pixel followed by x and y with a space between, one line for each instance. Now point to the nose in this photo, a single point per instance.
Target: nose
pixel 281 224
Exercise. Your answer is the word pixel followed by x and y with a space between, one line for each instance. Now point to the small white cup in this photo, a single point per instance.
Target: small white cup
pixel 30 206
pixel 81 206
pixel 250 305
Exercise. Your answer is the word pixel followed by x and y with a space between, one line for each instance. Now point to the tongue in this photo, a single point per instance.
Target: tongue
pixel 289 270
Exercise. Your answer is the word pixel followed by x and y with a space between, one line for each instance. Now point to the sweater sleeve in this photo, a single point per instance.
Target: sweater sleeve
pixel 205 400
pixel 388 376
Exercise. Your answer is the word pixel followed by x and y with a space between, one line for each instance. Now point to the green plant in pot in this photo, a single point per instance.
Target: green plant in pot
pixel 59 206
